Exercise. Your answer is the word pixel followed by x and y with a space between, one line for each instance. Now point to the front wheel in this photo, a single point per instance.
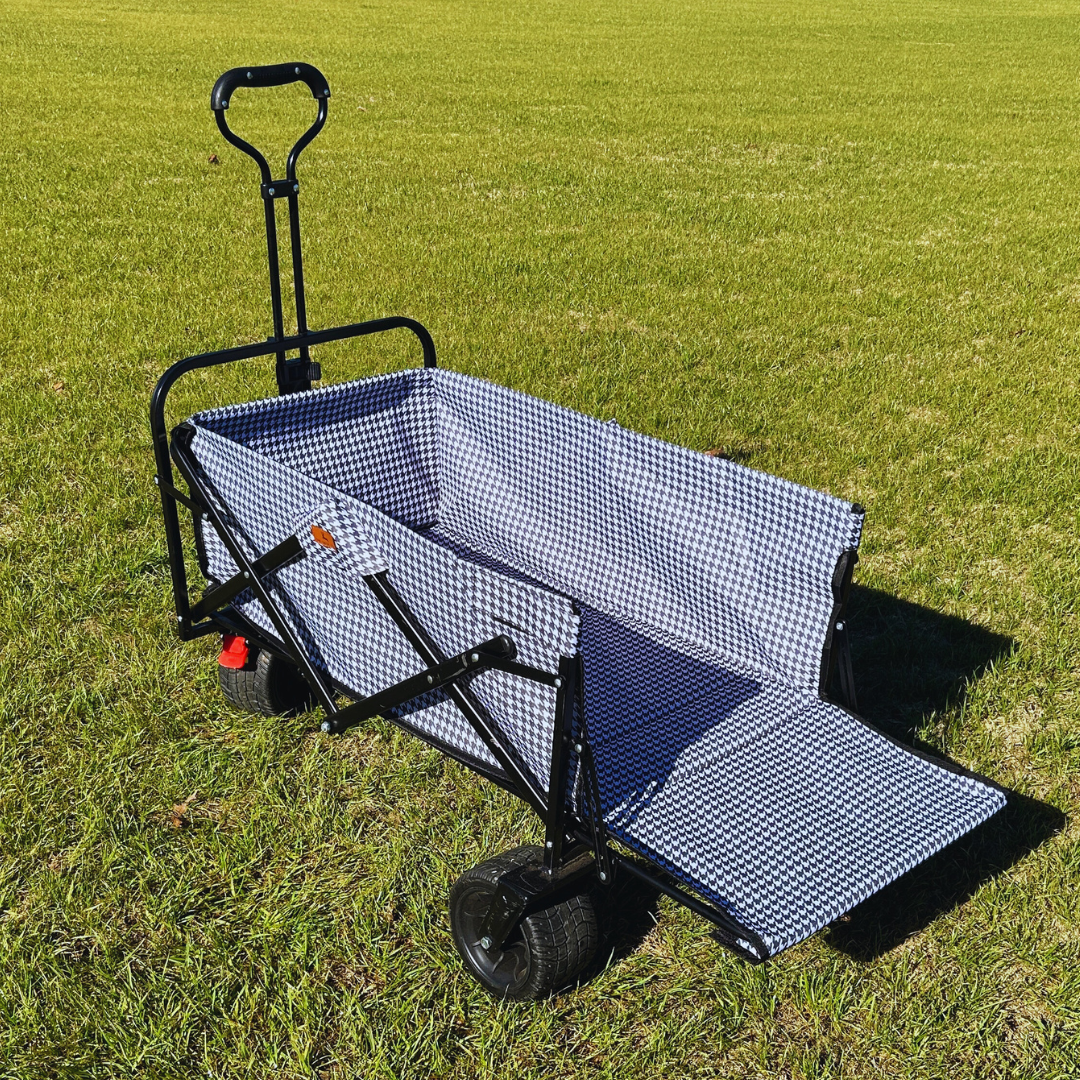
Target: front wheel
pixel 266 684
pixel 546 951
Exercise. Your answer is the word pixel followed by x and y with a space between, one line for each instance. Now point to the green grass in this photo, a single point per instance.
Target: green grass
pixel 837 240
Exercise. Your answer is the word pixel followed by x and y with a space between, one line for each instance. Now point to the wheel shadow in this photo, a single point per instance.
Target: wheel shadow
pixel 910 663
pixel 629 910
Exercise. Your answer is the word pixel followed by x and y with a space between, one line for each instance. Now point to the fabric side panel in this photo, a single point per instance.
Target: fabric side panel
pixel 738 562
pixel 329 606
pixel 372 438
pixel 734 559
pixel 519 483
pixel 793 828
pixel 544 627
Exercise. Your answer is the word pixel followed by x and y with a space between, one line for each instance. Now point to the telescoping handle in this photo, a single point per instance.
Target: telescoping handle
pixel 268 75
pixel 299 374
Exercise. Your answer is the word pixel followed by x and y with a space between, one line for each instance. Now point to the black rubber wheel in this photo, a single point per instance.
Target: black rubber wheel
pixel 266 684
pixel 548 950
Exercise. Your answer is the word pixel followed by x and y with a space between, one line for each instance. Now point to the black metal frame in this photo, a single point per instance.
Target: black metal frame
pixel 575 846
pixel 836 651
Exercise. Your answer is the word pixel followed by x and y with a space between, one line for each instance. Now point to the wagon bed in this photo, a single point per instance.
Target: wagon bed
pixel 698 594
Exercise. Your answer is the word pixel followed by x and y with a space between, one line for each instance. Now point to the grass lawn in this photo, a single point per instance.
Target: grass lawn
pixel 837 240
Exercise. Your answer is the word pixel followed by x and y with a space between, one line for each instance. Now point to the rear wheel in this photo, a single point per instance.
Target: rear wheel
pixel 547 950
pixel 266 684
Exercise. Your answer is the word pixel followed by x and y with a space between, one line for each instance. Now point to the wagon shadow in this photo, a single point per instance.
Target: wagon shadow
pixel 909 662
pixel 946 880
pixel 631 906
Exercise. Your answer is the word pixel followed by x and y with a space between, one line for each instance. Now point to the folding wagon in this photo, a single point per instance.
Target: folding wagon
pixel 636 639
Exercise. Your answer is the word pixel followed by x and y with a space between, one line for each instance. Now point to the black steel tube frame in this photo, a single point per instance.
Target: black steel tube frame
pixel 499 652
pixel 836 652
pixel 159 432
pixel 501 748
pixel 249 568
pixel 298 375
pixel 731 929
pixel 566 837
pixel 479 658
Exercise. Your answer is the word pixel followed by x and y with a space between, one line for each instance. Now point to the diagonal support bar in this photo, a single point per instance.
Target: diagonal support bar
pixel 471 660
pixel 520 776
pixel 276 557
pixel 734 933
pixel 212 499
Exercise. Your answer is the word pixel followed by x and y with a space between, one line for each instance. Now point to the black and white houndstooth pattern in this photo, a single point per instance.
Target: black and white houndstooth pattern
pixel 704 589
pixel 784 809
pixel 734 561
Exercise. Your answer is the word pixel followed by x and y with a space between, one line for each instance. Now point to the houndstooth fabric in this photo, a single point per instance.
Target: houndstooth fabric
pixel 318 434
pixel 737 562
pixel 335 614
pixel 704 590
pixel 784 809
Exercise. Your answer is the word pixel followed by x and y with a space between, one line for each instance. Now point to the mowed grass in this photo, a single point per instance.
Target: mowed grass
pixel 837 241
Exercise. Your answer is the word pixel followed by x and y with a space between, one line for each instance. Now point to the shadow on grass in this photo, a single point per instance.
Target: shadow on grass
pixel 628 912
pixel 946 880
pixel 910 662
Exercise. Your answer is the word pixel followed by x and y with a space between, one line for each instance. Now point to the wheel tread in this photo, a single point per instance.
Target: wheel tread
pixel 562 939
pixel 266 685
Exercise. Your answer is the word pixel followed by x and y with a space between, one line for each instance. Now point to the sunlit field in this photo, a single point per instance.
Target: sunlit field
pixel 837 241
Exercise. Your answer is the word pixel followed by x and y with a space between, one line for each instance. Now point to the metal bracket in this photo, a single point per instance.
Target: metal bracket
pixel 841 587
pixel 296 375
pixel 279 189
pixel 472 660
pixel 528 888
pixel 844 667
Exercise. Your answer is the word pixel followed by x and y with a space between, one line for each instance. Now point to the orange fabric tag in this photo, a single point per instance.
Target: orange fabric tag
pixel 323 537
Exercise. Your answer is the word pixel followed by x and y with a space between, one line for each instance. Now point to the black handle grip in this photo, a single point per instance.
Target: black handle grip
pixel 268 75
